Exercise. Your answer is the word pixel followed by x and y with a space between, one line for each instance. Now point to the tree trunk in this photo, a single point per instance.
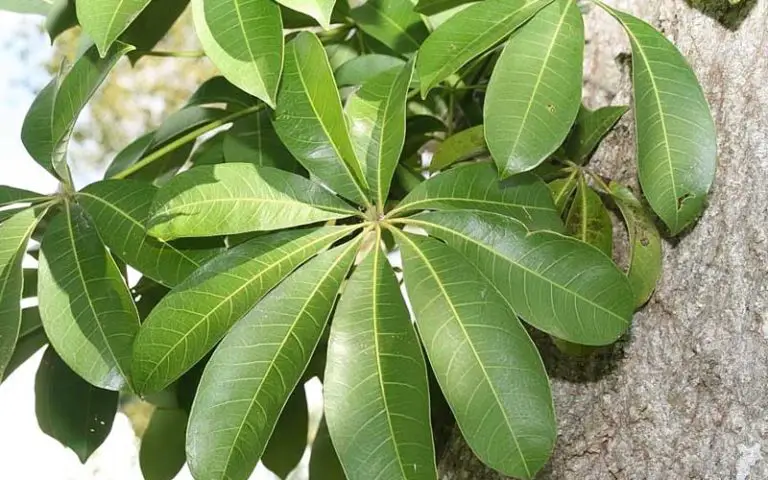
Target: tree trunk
pixel 685 395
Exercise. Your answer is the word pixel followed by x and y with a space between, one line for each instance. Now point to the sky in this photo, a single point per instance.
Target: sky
pixel 27 452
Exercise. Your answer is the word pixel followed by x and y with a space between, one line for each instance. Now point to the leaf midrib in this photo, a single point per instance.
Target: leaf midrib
pixel 335 147
pixel 544 64
pixel 414 205
pixel 87 293
pixel 301 312
pixel 379 376
pixel 240 24
pixel 11 261
pixel 479 39
pixel 457 317
pixel 521 267
pixel 136 223
pixel 329 209
pixel 662 115
pixel 226 299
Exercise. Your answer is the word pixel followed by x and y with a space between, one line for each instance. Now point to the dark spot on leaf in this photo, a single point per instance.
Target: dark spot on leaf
pixel 644 242
pixel 551 108
pixel 682 199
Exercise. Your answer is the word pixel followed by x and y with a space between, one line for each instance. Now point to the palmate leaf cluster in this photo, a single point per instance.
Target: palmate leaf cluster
pixel 265 215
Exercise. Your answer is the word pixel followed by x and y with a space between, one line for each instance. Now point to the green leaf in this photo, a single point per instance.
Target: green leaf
pixel 12 195
pixel 590 128
pixel 676 138
pixel 87 310
pixel 254 370
pixel 323 461
pixel 253 140
pixel 391 22
pixel 486 365
pixel 535 90
pixel 235 198
pixel 562 190
pixel 69 409
pixel 14 234
pixel 376 114
pixel 162 455
pixel 376 397
pixel 119 210
pixel 588 219
pixel 320 10
pixel 433 7
pixel 51 118
pixel 361 69
pixel 462 146
pixel 477 187
pixel 644 242
pixel 105 20
pixel 25 348
pixel 175 126
pixel 40 7
pixel 220 90
pixel 549 289
pixel 61 17
pixel 197 313
pixel 468 34
pixel 289 439
pixel 209 152
pixel 30 321
pixel 244 39
pixel 311 123
pixel 152 25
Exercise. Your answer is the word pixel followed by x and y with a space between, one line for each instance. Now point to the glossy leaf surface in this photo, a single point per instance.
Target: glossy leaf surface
pixel 588 219
pixel 468 34
pixel 391 22
pixel 562 191
pixel 320 10
pixel 534 92
pixel 644 242
pixel 234 198
pixel 486 365
pixel 590 128
pixel 86 308
pixel 69 409
pixel 477 187
pixel 558 284
pixel 676 138
pixel 360 69
pixel 196 314
pixel 244 39
pixel 119 210
pixel 105 20
pixel 376 397
pixel 14 235
pixel 253 372
pixel 49 121
pixel 310 122
pixel 465 145
pixel 376 114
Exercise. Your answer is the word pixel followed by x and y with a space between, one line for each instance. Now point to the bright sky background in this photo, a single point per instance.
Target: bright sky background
pixel 27 452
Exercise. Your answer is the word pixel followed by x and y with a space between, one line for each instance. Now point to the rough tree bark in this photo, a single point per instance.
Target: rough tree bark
pixel 685 396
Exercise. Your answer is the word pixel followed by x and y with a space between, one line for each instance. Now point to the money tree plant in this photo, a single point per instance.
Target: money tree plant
pixel 288 223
